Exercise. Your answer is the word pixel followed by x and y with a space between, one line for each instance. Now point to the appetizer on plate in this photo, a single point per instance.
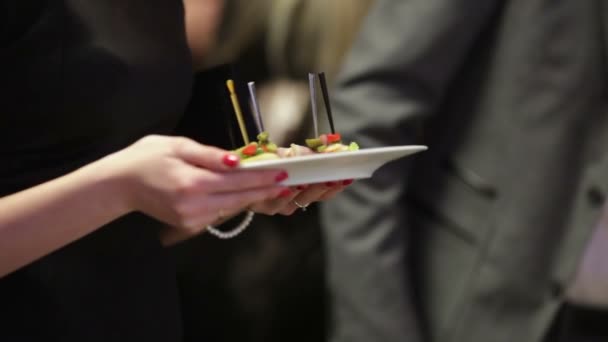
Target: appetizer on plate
pixel 263 149
pixel 328 143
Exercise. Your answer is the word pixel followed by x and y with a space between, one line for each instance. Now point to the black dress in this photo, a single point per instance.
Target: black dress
pixel 80 79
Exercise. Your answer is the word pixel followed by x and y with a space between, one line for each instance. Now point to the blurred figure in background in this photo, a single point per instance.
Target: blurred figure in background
pixel 267 285
pixel 496 232
pixel 277 43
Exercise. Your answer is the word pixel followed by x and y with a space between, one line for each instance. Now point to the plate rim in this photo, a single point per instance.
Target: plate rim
pixel 321 156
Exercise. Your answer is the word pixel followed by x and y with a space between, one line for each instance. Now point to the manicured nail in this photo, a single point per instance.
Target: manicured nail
pixel 281 177
pixel 301 187
pixel 285 193
pixel 330 184
pixel 230 160
pixel 347 182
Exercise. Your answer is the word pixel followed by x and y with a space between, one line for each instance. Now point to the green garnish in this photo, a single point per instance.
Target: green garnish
pixel 313 143
pixel 263 138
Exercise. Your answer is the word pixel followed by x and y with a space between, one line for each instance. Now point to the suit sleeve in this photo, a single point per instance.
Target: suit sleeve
pixel 397 73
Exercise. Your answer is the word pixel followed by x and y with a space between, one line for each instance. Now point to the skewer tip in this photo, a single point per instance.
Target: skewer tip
pixel 230 85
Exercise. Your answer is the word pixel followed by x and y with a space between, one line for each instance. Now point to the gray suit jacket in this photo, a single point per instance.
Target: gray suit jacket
pixel 476 239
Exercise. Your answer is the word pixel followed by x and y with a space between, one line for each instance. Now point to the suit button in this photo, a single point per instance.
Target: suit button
pixel 595 196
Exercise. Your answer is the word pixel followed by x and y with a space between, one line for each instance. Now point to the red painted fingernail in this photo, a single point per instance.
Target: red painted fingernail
pixel 281 176
pixel 230 160
pixel 347 182
pixel 301 187
pixel 330 184
pixel 285 193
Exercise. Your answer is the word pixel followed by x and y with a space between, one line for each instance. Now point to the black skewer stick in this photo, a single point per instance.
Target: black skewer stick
pixel 326 100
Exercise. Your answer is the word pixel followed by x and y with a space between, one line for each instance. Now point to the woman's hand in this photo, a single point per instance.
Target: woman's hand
pixel 188 185
pixel 175 180
pixel 301 196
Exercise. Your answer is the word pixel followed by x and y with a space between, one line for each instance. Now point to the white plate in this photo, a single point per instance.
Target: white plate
pixel 326 167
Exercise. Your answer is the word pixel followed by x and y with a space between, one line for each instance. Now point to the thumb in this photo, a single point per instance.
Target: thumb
pixel 208 157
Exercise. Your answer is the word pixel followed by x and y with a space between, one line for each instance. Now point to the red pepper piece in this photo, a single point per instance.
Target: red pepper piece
pixel 250 150
pixel 333 138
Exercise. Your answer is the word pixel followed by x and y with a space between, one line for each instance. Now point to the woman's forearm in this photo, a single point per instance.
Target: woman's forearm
pixel 175 180
pixel 44 218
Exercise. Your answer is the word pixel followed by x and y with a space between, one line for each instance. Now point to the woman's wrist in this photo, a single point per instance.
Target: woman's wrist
pixel 110 185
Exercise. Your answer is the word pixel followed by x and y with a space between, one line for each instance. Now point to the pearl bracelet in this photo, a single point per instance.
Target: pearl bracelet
pixel 234 232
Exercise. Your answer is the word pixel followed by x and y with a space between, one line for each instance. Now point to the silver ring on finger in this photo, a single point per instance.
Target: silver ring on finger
pixel 300 205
